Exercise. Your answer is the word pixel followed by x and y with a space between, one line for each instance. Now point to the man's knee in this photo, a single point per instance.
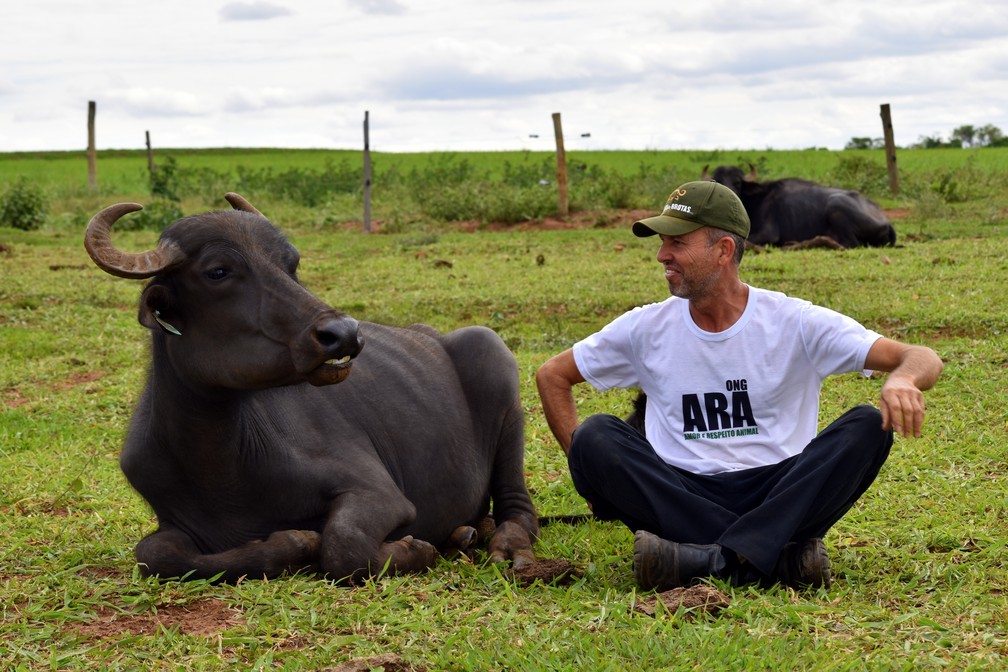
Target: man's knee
pixel 865 413
pixel 862 430
pixel 593 439
pixel 868 420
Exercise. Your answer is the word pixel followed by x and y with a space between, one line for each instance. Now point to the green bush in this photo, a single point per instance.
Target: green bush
pixel 23 206
pixel 511 205
pixel 155 216
pixel 306 187
pixel 861 174
pixel 164 179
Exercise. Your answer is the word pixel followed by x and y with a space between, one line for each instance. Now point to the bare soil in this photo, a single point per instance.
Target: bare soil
pixel 694 600
pixel 205 617
pixel 556 571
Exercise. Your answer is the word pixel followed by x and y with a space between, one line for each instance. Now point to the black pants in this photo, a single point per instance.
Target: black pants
pixel 753 512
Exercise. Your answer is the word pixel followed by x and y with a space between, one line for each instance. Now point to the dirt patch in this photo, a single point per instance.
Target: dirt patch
pixel 12 398
pixel 82 378
pixel 388 662
pixel 556 571
pixel 587 219
pixel 897 213
pixel 206 617
pixel 98 573
pixel 694 600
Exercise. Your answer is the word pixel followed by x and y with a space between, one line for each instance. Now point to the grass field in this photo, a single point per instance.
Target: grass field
pixel 920 565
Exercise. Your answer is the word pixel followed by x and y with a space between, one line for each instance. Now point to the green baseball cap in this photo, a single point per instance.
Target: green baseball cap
pixel 697 204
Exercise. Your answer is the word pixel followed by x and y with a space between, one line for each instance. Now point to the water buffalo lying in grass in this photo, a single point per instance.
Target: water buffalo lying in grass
pixel 276 434
pixel 794 211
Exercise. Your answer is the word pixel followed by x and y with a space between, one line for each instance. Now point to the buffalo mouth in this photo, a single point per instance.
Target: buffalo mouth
pixel 331 371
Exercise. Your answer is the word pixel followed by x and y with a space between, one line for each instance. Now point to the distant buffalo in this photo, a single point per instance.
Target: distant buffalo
pixel 794 211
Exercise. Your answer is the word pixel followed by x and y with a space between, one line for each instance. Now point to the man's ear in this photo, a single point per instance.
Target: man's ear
pixel 726 246
pixel 157 309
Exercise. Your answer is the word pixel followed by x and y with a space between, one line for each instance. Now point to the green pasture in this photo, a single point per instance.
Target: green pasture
pixel 411 191
pixel 920 565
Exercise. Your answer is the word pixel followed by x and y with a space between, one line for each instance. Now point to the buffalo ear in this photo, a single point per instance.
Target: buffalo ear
pixel 157 301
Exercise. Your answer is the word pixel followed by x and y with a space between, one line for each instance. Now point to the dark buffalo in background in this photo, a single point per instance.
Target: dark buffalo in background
pixel 793 210
pixel 276 434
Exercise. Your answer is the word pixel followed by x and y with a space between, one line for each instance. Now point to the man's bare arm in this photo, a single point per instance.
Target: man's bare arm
pixel 912 369
pixel 555 380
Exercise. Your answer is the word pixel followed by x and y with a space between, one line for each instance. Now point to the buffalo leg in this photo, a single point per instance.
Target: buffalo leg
pixel 355 541
pixel 513 512
pixel 475 351
pixel 172 553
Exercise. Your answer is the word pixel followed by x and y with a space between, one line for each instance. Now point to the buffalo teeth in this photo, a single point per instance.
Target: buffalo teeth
pixel 341 360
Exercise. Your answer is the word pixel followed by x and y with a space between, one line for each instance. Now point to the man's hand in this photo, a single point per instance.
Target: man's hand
pixel 913 369
pixel 902 406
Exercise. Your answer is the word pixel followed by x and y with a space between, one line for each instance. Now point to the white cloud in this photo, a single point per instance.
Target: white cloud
pixel 245 99
pixel 378 6
pixel 252 11
pixel 154 102
pixel 448 75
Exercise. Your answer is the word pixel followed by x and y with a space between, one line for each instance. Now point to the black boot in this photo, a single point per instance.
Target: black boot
pixel 660 564
pixel 804 564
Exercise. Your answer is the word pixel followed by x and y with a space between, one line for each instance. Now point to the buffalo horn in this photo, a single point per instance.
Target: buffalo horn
pixel 238 202
pixel 98 243
pixel 704 175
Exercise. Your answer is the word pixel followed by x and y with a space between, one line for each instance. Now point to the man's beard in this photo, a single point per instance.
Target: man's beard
pixel 693 288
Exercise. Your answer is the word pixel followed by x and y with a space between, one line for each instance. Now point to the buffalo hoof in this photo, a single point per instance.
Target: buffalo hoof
pixel 461 540
pixel 293 551
pixel 511 542
pixel 305 543
pixel 406 555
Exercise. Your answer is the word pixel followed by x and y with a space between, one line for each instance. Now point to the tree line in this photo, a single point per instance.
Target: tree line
pixel 966 135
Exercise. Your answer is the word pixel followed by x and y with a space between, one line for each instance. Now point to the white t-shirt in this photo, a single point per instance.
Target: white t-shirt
pixel 740 398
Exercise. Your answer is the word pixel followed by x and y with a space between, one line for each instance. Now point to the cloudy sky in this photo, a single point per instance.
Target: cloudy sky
pixel 488 74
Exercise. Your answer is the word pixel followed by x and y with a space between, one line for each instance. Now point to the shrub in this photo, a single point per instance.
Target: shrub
pixel 164 179
pixel 155 216
pixel 23 206
pixel 511 205
pixel 310 188
pixel 861 174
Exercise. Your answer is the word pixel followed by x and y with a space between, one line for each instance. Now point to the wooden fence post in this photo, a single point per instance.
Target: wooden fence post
pixel 367 176
pixel 561 166
pixel 92 158
pixel 890 149
pixel 150 155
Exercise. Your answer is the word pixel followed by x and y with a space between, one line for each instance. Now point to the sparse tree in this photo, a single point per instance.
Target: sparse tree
pixel 865 143
pixel 931 141
pixel 965 134
pixel 989 135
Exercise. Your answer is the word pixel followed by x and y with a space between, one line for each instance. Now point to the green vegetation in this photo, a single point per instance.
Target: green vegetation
pixel 920 564
pixel 966 135
pixel 22 206
pixel 412 192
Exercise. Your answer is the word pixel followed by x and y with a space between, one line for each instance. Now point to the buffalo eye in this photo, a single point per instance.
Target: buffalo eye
pixel 217 273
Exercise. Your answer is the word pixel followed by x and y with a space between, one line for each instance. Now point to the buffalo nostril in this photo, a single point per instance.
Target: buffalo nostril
pixel 339 336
